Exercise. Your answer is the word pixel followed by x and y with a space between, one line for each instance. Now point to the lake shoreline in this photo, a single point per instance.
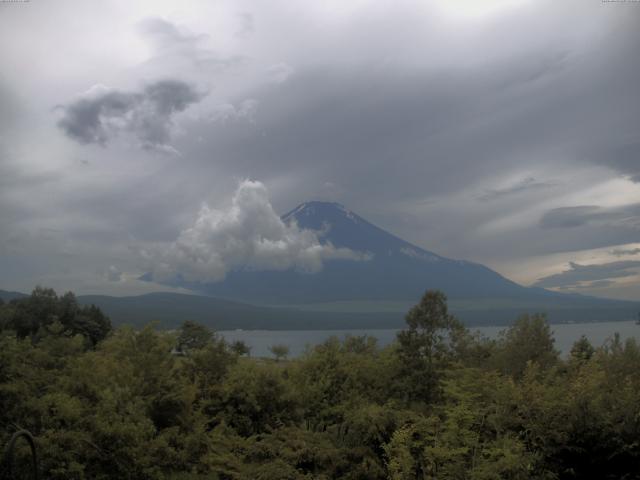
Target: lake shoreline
pixel 565 335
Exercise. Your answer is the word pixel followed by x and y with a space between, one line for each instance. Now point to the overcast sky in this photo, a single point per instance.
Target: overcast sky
pixel 505 132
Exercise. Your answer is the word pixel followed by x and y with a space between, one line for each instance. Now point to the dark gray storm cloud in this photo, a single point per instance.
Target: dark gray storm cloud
pixel 578 274
pixel 569 217
pixel 102 113
pixel 621 252
pixel 422 138
pixel 625 159
pixel 401 133
pixel 581 227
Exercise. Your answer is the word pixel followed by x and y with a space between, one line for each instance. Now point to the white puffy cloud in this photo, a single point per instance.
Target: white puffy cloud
pixel 248 235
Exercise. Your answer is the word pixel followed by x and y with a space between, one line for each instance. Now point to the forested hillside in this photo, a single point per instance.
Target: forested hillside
pixel 440 403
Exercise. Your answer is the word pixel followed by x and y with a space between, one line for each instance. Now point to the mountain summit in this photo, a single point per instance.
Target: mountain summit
pixel 344 228
pixel 393 270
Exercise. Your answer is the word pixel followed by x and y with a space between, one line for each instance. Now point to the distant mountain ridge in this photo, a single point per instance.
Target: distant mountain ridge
pixel 169 310
pixel 7 296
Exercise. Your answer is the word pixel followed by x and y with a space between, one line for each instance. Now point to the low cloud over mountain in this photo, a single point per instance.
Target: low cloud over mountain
pixel 248 235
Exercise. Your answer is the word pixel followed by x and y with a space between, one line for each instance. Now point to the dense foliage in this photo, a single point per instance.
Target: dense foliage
pixel 440 403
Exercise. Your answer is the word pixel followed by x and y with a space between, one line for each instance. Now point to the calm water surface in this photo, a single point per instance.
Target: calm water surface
pixel 298 340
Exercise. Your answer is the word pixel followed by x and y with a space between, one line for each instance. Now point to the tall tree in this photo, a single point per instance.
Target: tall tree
pixel 427 345
pixel 279 351
pixel 193 336
pixel 529 339
pixel 240 348
pixel 33 316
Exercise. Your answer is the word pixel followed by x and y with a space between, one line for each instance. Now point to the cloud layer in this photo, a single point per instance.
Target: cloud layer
pixel 581 276
pixel 248 235
pixel 181 49
pixel 621 252
pixel 568 217
pixel 417 115
pixel 625 159
pixel 525 185
pixel 102 113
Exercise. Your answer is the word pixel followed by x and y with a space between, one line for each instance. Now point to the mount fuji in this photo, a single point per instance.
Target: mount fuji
pixel 374 291
pixel 394 271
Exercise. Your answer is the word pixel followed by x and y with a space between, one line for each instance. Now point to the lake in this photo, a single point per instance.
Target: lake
pixel 297 340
